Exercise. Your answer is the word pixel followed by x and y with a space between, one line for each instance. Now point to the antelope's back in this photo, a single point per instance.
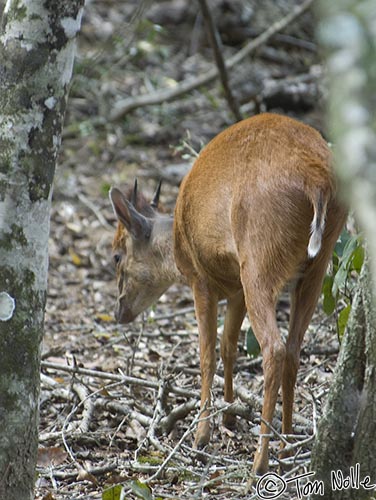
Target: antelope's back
pixel 250 184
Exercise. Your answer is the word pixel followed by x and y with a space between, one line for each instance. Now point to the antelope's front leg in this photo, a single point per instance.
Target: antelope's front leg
pixel 206 305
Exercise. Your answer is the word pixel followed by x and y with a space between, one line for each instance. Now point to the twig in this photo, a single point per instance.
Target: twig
pixel 85 201
pixel 124 410
pixel 178 413
pixel 86 401
pixel 176 447
pixel 83 427
pixel 123 420
pixel 243 394
pixel 299 444
pixel 273 431
pixel 134 347
pixel 124 106
pixel 314 413
pixel 155 420
pixel 216 44
pixel 73 474
pixel 201 484
pixel 182 312
pixel 119 378
pixel 255 402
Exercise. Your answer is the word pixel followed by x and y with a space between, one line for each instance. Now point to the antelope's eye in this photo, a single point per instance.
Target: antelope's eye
pixel 116 258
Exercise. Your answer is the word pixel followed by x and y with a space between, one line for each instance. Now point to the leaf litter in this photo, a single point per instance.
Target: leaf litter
pixel 120 403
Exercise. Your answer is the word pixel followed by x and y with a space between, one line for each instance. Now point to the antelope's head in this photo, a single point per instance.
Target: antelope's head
pixel 142 252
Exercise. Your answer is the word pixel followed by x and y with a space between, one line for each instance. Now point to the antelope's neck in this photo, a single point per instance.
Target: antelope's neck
pixel 163 242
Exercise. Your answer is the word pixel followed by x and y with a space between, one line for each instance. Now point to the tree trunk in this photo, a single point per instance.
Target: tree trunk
pixel 36 60
pixel 347 431
pixel 346 439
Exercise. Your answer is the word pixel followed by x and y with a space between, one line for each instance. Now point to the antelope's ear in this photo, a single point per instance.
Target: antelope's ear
pixel 135 223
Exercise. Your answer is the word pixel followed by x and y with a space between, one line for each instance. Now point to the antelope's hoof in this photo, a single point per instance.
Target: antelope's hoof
pixel 202 437
pixel 260 464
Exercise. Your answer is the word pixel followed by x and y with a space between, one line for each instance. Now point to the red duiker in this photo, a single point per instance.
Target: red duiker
pixel 257 211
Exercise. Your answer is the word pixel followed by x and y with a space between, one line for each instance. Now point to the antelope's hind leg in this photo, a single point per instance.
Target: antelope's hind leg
pixel 233 321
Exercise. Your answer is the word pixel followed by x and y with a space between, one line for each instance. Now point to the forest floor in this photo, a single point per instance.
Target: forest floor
pixel 119 403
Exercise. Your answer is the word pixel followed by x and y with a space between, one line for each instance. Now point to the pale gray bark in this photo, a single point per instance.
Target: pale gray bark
pixel 36 61
pixel 347 432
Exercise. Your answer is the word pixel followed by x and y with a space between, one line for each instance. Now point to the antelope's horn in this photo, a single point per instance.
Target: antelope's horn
pixel 134 194
pixel 155 200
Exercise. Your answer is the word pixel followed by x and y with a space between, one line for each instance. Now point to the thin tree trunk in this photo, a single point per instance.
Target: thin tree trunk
pixel 36 60
pixel 346 440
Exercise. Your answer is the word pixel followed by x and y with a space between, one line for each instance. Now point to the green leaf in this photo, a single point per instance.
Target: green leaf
pixel 358 258
pixel 142 490
pixel 329 301
pixel 348 251
pixel 253 347
pixel 112 493
pixel 352 259
pixel 335 262
pixel 341 243
pixel 343 318
pixel 340 279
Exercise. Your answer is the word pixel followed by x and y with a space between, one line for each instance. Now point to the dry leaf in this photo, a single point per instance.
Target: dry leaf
pixel 76 259
pixel 104 317
pixel 84 475
pixel 48 457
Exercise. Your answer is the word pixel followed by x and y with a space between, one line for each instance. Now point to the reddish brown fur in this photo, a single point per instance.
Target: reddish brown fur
pixel 241 231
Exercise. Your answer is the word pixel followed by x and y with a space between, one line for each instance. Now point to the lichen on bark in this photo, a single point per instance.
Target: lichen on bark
pixel 36 61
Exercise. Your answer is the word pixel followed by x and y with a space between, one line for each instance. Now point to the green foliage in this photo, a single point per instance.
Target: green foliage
pixel 339 285
pixel 84 128
pixel 148 43
pixel 149 31
pixel 113 493
pixel 105 188
pixel 141 490
pixel 253 347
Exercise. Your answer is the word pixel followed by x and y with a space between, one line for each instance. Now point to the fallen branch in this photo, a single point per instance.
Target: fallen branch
pixel 95 471
pixel 88 406
pixel 118 378
pixel 124 106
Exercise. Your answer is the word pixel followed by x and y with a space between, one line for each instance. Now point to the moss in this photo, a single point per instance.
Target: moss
pixel 39 168
pixel 5 157
pixel 34 17
pixel 150 459
pixel 3 189
pixel 16 236
pixel 20 12
pixel 21 335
